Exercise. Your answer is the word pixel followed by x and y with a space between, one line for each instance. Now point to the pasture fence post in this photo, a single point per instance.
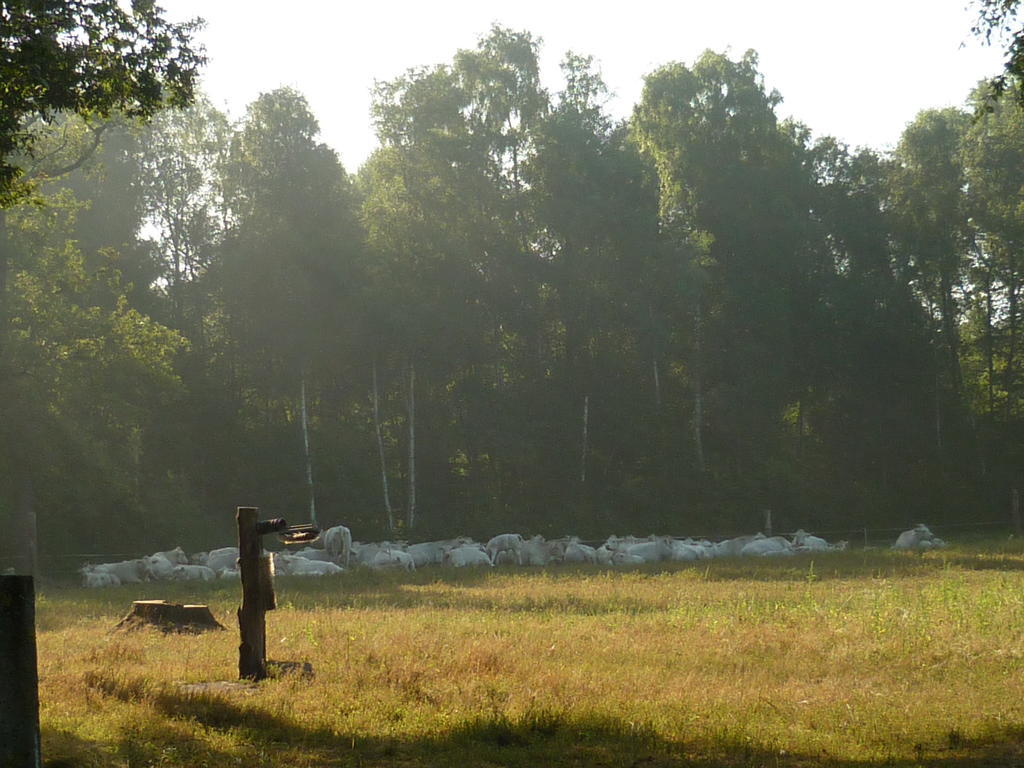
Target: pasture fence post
pixel 768 522
pixel 19 676
pixel 256 583
pixel 256 570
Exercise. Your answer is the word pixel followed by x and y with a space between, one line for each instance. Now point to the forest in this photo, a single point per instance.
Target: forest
pixel 519 314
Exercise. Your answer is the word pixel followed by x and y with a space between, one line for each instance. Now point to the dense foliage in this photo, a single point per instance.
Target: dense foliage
pixel 1001 19
pixel 519 314
pixel 90 57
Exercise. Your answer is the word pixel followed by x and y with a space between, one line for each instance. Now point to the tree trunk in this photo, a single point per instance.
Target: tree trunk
pixel 657 385
pixel 655 351
pixel 411 513
pixel 27 509
pixel 586 436
pixel 952 334
pixel 176 301
pixel 698 390
pixel 309 457
pixel 5 265
pixel 380 450
pixel 989 343
pixel 800 428
pixel 1013 299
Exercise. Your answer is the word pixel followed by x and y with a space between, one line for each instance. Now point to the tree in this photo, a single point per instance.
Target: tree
pixel 993 158
pixel 593 208
pixel 853 426
pixel 999 17
pixel 91 57
pixel 446 219
pixel 735 199
pixel 286 281
pixel 182 160
pixel 931 229
pixel 83 376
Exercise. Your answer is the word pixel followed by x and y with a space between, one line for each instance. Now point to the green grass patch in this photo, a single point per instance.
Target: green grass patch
pixel 864 658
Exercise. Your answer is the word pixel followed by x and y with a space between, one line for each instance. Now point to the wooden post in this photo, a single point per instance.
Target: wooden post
pixel 19 678
pixel 252 653
pixel 768 522
pixel 1015 511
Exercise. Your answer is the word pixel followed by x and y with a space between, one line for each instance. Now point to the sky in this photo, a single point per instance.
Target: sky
pixel 859 71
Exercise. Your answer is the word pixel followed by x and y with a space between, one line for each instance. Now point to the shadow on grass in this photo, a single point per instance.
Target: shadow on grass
pixel 185 729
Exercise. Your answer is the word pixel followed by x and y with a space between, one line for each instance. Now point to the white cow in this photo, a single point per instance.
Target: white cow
pixel 388 557
pixel 762 546
pixel 655 551
pixel 193 573
pixel 620 557
pixel 198 558
pixel 505 542
pixel 127 571
pixel 319 555
pixel 575 552
pixel 338 543
pixel 805 542
pixel 94 579
pixel 733 547
pixel 536 551
pixel 364 553
pixel 159 567
pixel 281 562
pixel 705 549
pixel 622 543
pixel 300 566
pixel 219 559
pixel 467 555
pixel 174 556
pixel 684 552
pixel 918 538
pixel 508 557
pixel 428 552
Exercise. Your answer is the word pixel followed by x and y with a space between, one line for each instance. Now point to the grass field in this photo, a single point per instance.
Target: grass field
pixel 867 658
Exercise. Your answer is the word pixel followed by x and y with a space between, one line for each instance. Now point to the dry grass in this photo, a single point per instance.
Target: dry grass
pixel 861 659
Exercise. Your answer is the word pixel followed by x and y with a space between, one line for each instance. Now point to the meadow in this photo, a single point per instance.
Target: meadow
pixel 857 659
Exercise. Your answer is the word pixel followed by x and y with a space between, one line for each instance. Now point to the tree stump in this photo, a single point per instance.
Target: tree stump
pixel 168 617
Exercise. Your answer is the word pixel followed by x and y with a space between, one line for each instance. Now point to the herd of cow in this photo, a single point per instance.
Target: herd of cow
pixel 339 553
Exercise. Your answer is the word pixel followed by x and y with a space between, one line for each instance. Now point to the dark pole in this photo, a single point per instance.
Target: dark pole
pixel 252 653
pixel 19 679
